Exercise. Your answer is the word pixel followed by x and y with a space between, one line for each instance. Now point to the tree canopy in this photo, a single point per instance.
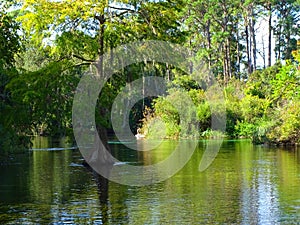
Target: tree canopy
pixel 46 46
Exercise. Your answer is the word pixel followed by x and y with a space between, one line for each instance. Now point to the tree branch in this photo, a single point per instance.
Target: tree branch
pixel 82 64
pixel 77 65
pixel 121 9
pixel 120 14
pixel 125 10
pixel 83 59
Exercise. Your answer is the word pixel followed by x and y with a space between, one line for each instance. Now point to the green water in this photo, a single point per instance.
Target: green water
pixel 246 184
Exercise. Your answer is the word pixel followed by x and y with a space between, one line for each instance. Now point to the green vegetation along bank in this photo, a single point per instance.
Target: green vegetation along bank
pixel 47 46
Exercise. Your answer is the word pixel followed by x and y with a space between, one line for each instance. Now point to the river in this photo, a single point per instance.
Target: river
pixel 245 184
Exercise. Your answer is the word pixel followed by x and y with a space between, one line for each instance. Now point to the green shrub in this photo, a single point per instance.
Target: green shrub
pixel 287 129
pixel 244 129
pixel 253 108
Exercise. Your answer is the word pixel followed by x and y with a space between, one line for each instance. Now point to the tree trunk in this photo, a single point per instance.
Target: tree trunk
pixel 263 52
pixel 209 44
pixel 191 66
pixel 238 58
pixel 279 43
pixel 224 69
pixel 248 47
pixel 253 37
pixel 288 52
pixel 270 36
pixel 100 156
pixel 226 63
pixel 101 20
pixel 228 58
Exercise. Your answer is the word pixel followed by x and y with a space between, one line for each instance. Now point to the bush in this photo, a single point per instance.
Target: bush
pixel 288 125
pixel 253 108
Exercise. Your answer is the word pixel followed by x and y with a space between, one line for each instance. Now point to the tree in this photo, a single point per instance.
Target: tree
pixel 213 28
pixel 48 93
pixel 12 124
pixel 81 31
pixel 285 29
pixel 269 6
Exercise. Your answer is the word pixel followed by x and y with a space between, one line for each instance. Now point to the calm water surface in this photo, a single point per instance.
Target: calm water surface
pixel 246 184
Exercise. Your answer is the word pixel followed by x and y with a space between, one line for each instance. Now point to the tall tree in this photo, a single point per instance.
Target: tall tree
pixel 82 31
pixel 213 28
pixel 268 5
pixel 286 29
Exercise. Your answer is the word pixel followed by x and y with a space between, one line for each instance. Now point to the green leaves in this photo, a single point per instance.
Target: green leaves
pixel 75 43
pixel 66 36
pixel 9 40
pixel 286 84
pixel 12 124
pixel 48 94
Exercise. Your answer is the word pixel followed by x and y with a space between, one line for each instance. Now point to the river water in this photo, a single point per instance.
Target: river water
pixel 245 184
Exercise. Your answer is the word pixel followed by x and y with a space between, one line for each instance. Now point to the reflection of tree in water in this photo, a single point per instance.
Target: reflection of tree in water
pixel 102 186
pixel 102 159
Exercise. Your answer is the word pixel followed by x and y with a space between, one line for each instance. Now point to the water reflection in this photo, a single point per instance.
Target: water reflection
pixel 259 194
pixel 246 184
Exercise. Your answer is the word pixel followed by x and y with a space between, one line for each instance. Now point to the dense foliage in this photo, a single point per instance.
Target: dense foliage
pixel 13 124
pixel 61 39
pixel 264 108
